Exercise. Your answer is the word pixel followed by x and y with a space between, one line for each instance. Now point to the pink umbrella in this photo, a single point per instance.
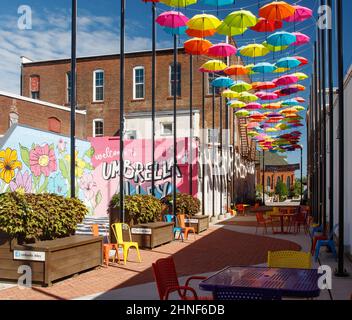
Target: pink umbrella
pixel 253 106
pixel 267 96
pixel 286 80
pixel 300 99
pixel 301 14
pixel 301 39
pixel 222 50
pixel 172 19
pixel 253 125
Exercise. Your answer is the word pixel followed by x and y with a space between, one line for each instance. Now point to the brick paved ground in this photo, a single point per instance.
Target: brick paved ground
pixel 210 252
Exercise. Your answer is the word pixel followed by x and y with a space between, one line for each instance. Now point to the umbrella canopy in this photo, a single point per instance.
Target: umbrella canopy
pixel 178 3
pixel 247 97
pixel 242 113
pixel 200 33
pixel 213 66
pixel 277 10
pixel 281 38
pixel 263 67
pixel 281 70
pixel 264 85
pixel 286 80
pixel 272 106
pixel 178 31
pixel 253 125
pixel 197 46
pixel 303 60
pixel 298 86
pixel 290 102
pixel 155 1
pixel 254 50
pixel 274 49
pixel 237 104
pixel 241 19
pixel 265 25
pixel 222 50
pixel 241 86
pixel 217 3
pixel 236 70
pixel 288 91
pixel 229 94
pixel 301 14
pixel 203 22
pixel 267 95
pixel 249 68
pixel 300 75
pixel 301 39
pixel 300 99
pixel 172 19
pixel 226 30
pixel 289 62
pixel 253 106
pixel 222 82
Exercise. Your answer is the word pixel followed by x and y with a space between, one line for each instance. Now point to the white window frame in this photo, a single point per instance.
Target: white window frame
pixel 134 82
pixel 95 87
pixel 129 132
pixel 94 127
pixel 162 133
pixel 171 84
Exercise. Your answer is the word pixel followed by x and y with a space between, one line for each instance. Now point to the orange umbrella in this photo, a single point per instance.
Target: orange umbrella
pixel 277 10
pixel 265 85
pixel 236 70
pixel 200 33
pixel 197 46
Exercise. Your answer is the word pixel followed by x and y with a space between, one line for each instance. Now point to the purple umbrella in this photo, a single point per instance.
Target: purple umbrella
pixel 289 91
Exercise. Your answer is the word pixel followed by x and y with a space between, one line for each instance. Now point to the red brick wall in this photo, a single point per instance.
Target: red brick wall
pixel 273 178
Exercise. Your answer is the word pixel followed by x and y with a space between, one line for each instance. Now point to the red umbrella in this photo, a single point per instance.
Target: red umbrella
pixel 265 85
pixel 303 60
pixel 265 25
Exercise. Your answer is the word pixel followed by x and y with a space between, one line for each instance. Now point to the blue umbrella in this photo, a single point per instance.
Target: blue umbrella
pixel 222 82
pixel 288 63
pixel 282 38
pixel 218 3
pixel 264 67
pixel 290 102
pixel 176 31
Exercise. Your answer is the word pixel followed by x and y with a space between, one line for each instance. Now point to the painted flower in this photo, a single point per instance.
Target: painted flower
pixel 42 160
pixel 61 146
pixel 57 184
pixel 22 183
pixel 8 164
pixel 87 184
pixel 80 164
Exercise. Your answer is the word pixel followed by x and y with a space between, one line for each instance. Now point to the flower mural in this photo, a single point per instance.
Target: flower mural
pixel 8 164
pixel 57 184
pixel 87 184
pixel 80 164
pixel 22 183
pixel 42 160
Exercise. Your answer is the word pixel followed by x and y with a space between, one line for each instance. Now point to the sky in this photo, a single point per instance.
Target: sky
pixel 98 33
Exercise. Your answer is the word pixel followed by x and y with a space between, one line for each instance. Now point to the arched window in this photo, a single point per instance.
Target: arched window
pixel 98 86
pixel 54 125
pixel 268 183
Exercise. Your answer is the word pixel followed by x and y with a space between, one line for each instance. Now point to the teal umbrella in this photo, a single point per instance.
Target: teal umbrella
pixel 264 67
pixel 288 63
pixel 282 38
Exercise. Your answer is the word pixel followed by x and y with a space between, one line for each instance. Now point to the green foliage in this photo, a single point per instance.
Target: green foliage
pixel 185 203
pixel 296 189
pixel 31 217
pixel 281 190
pixel 139 208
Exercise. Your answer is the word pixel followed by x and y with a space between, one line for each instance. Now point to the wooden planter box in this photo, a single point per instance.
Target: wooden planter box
pixel 151 235
pixel 199 223
pixel 50 260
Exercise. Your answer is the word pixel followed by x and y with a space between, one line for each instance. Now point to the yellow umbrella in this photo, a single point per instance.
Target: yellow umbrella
pixel 241 19
pixel 300 108
pixel 213 65
pixel 274 49
pixel 241 86
pixel 226 30
pixel 300 75
pixel 203 22
pixel 254 50
pixel 237 104
pixel 178 3
pixel 247 97
pixel 281 70
pixel 229 94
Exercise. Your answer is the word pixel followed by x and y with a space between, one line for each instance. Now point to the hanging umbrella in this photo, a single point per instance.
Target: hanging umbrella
pixel 264 67
pixel 272 106
pixel 281 38
pixel 301 39
pixel 267 95
pixel 241 86
pixel 301 14
pixel 222 82
pixel 277 10
pixel 300 108
pixel 178 31
pixel 286 80
pixel 217 3
pixel 253 125
pixel 197 46
pixel 227 30
pixel 203 22
pixel 229 94
pixel 178 3
pixel 200 33
pixel 303 61
pixel 265 85
pixel 288 91
pixel 265 25
pixel 237 104
pixel 254 50
pixel 300 75
pixel 236 70
pixel 253 106
pixel 274 49
pixel 290 102
pixel 213 66
pixel 300 99
pixel 242 113
pixel 241 19
pixel 249 68
pixel 271 130
pixel 222 50
pixel 288 63
pixel 281 70
pixel 172 19
pixel 299 87
pixel 247 97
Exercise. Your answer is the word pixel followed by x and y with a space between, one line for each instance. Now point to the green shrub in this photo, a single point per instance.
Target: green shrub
pixel 281 190
pixel 185 203
pixel 32 217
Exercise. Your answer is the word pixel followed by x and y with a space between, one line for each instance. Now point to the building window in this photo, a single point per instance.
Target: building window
pixel 138 83
pixel 177 78
pixel 54 125
pixel 213 136
pixel 98 92
pixel 68 87
pixel 131 134
pixel 166 129
pixel 98 128
pixel 268 183
pixel 211 77
pixel 288 183
pixel 35 87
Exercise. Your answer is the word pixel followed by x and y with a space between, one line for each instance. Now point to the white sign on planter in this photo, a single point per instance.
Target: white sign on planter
pixel 28 255
pixel 141 231
pixel 195 221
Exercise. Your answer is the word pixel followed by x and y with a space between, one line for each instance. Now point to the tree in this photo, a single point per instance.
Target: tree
pixel 296 189
pixel 281 190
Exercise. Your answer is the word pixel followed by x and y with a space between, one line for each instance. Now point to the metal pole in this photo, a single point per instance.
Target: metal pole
pixel 73 99
pixel 221 162
pixel 341 252
pixel 234 157
pixel 227 152
pixel 213 146
pixel 175 129
pixel 263 178
pixel 122 102
pixel 204 143
pixel 191 124
pixel 319 123
pixel 316 159
pixel 301 175
pixel 153 93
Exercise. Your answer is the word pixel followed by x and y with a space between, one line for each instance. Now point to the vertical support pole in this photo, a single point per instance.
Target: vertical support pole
pixel 191 125
pixel 263 178
pixel 221 160
pixel 204 143
pixel 174 171
pixel 153 92
pixel 213 151
pixel 301 175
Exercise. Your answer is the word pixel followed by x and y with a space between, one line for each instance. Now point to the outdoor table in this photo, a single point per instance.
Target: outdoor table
pixel 262 209
pixel 282 216
pixel 297 283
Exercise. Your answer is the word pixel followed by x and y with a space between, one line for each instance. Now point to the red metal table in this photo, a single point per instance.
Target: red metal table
pixel 298 283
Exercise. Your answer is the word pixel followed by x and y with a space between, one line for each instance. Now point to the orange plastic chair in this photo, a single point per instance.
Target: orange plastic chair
pixel 106 246
pixel 182 224
pixel 261 222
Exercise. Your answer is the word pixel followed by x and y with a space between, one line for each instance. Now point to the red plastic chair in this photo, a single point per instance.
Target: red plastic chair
pixel 167 282
pixel 261 222
pixel 241 209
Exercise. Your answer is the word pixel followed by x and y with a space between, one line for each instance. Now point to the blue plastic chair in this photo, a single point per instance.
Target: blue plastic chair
pixel 330 243
pixel 171 218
